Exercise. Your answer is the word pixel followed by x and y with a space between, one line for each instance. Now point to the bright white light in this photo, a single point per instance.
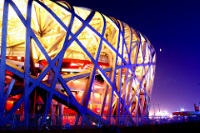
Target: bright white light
pixel 19 57
pixel 182 109
pixel 160 50
pixel 170 116
pixel 164 113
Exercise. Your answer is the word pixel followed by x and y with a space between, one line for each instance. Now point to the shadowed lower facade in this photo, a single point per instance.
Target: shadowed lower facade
pixel 71 65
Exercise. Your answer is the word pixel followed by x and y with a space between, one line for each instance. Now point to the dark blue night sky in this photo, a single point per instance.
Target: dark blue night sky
pixel 174 26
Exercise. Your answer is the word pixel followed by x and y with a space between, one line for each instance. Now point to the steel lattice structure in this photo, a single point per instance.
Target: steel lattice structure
pixel 59 60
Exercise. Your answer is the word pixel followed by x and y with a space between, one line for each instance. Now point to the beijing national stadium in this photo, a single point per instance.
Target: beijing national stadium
pixel 61 64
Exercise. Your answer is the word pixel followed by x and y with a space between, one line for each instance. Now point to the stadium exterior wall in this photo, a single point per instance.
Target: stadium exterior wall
pixel 71 65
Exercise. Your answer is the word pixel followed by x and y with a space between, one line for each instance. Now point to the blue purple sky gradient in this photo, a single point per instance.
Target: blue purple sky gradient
pixel 174 26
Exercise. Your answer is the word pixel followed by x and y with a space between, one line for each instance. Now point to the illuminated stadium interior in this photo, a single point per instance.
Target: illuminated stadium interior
pixel 71 65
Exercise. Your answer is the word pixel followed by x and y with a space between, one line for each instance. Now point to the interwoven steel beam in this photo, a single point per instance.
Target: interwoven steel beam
pixel 58 60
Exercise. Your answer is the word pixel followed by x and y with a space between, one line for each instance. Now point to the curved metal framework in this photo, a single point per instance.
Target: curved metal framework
pixel 72 64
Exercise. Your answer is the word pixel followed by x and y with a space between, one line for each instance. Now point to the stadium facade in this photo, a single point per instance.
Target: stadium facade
pixel 74 65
